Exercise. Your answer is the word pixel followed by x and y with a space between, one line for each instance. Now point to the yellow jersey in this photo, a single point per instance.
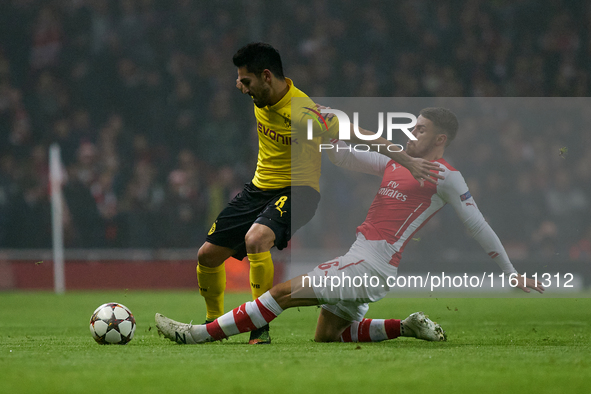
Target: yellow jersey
pixel 277 167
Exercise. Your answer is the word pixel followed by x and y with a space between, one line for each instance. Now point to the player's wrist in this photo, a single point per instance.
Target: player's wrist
pixel 401 157
pixel 511 274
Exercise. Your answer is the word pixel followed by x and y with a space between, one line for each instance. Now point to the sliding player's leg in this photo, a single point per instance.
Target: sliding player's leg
pixel 247 317
pixel 332 327
pixel 345 322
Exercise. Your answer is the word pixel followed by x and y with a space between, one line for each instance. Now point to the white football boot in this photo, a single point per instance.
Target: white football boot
pixel 423 328
pixel 174 330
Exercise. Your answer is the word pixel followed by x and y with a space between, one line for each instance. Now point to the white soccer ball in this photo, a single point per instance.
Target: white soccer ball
pixel 112 323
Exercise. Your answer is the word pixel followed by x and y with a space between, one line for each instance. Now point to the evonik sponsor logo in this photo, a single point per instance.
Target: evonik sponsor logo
pixel 275 136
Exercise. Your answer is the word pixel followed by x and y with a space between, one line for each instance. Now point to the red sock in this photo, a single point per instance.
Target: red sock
pixel 372 330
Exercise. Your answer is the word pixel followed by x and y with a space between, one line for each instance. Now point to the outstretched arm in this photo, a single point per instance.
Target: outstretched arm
pixel 455 192
pixel 344 156
pixel 422 170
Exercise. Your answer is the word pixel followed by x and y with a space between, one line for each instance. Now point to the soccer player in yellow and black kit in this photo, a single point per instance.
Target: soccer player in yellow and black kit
pixel 259 217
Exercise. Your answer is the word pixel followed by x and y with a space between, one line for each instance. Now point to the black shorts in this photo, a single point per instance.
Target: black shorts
pixel 272 208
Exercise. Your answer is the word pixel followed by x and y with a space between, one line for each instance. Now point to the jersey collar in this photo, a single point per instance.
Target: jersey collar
pixel 285 99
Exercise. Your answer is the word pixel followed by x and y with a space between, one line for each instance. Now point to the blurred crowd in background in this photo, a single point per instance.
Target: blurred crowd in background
pixel 156 139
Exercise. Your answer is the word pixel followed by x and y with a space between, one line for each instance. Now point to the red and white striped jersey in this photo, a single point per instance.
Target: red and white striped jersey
pixel 401 206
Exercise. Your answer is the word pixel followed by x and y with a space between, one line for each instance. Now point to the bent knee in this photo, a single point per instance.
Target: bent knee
pixel 327 332
pixel 282 294
pixel 327 336
pixel 205 253
pixel 210 255
pixel 259 239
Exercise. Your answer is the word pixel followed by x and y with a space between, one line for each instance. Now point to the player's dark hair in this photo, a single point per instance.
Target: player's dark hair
pixel 443 119
pixel 257 57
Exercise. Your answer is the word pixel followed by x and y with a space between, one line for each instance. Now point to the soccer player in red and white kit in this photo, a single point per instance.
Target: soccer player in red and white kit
pixel 400 208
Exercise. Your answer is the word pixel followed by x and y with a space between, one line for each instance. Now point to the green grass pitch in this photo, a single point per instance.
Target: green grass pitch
pixel 533 344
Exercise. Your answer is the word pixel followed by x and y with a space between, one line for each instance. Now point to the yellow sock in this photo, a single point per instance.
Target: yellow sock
pixel 261 273
pixel 212 284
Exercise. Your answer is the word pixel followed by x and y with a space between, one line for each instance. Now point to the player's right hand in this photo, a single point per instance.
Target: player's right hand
pixel 423 169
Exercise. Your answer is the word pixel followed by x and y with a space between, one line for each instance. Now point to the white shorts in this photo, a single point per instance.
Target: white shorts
pixel 348 283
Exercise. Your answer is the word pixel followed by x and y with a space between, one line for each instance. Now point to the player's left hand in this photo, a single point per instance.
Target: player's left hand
pixel 423 169
pixel 530 283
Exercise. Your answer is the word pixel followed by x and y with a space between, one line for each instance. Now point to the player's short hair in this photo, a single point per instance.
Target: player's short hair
pixel 443 119
pixel 257 57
